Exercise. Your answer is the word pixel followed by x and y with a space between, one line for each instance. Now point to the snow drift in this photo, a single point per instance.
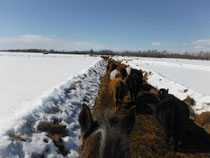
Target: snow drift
pixel 62 105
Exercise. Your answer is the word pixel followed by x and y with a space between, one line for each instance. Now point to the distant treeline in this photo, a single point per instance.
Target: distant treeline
pixel 146 53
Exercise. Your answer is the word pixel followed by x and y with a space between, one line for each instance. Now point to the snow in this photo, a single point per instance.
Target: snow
pixel 61 82
pixel 177 75
pixel 38 88
pixel 27 77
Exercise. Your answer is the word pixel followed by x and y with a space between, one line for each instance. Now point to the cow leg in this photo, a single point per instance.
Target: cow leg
pixel 115 102
pixel 119 105
pixel 167 138
pixel 116 105
pixel 135 96
pixel 176 140
pixel 131 95
pixel 167 129
pixel 116 108
pixel 177 137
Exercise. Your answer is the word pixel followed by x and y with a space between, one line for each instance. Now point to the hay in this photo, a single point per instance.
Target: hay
pixel 55 132
pixel 203 120
pixel 189 101
pixel 53 128
pixel 186 90
pixel 17 137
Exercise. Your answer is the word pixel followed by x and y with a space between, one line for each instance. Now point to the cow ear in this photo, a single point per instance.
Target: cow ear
pixel 129 121
pixel 85 118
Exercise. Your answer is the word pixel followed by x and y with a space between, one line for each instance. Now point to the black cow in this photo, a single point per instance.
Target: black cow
pixel 173 114
pixel 133 86
pixel 138 74
pixel 134 82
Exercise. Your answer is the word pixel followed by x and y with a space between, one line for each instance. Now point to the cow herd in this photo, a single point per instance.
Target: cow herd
pixel 105 135
pixel 124 79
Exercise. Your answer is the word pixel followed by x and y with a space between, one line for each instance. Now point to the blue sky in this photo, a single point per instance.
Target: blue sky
pixel 173 25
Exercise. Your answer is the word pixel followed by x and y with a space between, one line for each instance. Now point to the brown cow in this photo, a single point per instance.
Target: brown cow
pixel 118 89
pixel 108 62
pixel 104 134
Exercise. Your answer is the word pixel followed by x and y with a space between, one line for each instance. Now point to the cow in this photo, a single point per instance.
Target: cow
pixel 118 89
pixel 134 82
pixel 138 74
pixel 173 114
pixel 108 62
pixel 105 135
pixel 133 86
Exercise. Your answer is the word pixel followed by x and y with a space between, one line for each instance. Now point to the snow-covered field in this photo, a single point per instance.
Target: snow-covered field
pixel 37 88
pixel 177 75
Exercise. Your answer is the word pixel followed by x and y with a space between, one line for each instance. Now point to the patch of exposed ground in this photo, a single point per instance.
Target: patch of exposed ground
pixel 203 121
pixel 104 101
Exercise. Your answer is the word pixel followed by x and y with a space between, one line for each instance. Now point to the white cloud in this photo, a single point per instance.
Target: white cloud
pixel 156 43
pixel 202 45
pixel 204 42
pixel 202 48
pixel 42 42
pixel 198 47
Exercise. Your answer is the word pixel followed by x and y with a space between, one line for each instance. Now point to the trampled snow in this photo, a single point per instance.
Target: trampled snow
pixel 34 85
pixel 177 75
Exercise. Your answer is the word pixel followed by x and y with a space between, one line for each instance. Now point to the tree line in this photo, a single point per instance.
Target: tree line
pixel 141 53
